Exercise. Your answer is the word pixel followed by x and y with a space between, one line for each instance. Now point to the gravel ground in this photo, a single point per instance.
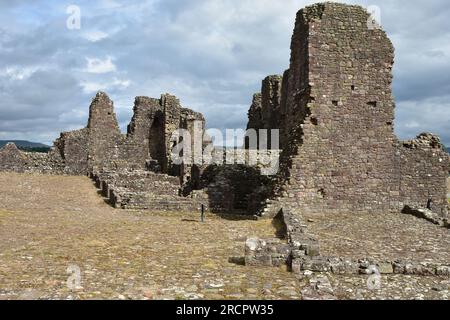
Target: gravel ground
pixel 380 236
pixel 51 223
pixel 54 228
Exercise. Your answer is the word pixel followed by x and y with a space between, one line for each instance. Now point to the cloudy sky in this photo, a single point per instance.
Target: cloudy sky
pixel 212 54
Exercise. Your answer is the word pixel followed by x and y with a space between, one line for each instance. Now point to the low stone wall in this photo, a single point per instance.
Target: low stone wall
pixel 301 252
pixel 234 189
pixel 266 252
pixel 139 189
pixel 14 160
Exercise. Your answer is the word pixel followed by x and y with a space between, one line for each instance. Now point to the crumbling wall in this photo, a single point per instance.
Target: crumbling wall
pixel 340 152
pixel 231 188
pixel 423 173
pixel 265 111
pixel 104 133
pixel 146 145
pixel 73 149
pixel 340 85
pixel 145 134
pixel 239 186
pixel 171 122
pixel 194 123
pixel 101 145
pixel 14 160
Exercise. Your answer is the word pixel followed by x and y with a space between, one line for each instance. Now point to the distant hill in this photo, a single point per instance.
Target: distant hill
pixel 448 150
pixel 27 145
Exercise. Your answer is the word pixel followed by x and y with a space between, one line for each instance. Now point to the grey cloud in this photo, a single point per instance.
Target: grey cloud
pixel 431 115
pixel 211 54
pixel 43 94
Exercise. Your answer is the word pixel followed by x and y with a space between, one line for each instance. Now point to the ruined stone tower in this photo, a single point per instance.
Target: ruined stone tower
pixel 104 132
pixel 336 112
pixel 265 110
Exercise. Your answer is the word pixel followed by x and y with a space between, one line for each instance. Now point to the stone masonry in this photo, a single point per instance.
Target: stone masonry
pixel 135 169
pixel 340 159
pixel 336 112
pixel 340 153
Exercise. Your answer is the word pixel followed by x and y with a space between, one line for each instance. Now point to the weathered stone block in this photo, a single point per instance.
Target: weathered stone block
pixel 385 268
pixel 443 271
pixel 317 265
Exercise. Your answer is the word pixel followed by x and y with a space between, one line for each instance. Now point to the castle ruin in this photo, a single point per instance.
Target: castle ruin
pixel 335 111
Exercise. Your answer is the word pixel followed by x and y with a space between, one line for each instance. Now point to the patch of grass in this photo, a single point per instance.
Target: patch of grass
pixel 4 213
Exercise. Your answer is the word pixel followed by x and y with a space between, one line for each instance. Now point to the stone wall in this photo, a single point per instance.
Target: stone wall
pixel 145 134
pixel 103 132
pixel 140 189
pixel 135 169
pixel 238 181
pixel 423 173
pixel 237 189
pixel 73 149
pixel 14 160
pixel 336 107
pixel 265 111
pixel 101 145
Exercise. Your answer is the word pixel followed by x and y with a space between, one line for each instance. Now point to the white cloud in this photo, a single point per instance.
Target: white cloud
pixel 18 73
pixel 90 87
pixel 211 54
pixel 95 35
pixel 68 116
pixel 434 117
pixel 95 65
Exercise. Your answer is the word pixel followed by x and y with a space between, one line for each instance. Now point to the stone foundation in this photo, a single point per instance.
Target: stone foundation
pixel 301 252
pixel 139 189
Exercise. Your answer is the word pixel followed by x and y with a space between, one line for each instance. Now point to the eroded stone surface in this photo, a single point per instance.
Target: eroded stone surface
pixel 385 236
